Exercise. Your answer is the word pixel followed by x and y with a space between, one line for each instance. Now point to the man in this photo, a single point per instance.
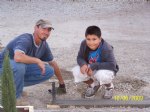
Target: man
pixel 31 59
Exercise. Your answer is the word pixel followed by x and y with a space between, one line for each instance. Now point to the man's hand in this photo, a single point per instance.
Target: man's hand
pixel 84 69
pixel 61 89
pixel 41 64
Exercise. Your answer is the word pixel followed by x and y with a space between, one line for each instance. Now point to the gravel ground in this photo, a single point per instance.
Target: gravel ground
pixel 124 24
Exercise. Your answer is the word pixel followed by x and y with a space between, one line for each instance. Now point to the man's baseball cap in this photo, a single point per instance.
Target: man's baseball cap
pixel 44 24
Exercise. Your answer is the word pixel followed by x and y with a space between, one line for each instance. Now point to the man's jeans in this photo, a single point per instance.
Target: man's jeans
pixel 28 74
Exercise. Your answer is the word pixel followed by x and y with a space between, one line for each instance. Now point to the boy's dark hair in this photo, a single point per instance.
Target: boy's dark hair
pixel 93 30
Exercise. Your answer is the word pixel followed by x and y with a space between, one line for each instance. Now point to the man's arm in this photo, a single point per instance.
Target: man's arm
pixel 57 71
pixel 23 58
pixel 61 89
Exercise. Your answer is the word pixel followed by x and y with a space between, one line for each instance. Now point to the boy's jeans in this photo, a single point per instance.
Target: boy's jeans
pixel 28 74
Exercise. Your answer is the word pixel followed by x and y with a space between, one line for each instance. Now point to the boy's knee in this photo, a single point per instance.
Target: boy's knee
pixel 76 70
pixel 104 76
pixel 78 76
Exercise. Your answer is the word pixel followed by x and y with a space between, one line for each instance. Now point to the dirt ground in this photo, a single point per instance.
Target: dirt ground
pixel 124 24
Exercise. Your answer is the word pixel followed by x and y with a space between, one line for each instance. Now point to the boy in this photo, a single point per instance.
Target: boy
pixel 97 64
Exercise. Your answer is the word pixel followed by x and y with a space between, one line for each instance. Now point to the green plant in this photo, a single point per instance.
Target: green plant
pixel 7 87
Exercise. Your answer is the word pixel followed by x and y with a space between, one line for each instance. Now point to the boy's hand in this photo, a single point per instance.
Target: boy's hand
pixel 84 69
pixel 90 72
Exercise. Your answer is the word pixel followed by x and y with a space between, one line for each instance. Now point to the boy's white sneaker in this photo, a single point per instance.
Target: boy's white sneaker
pixel 91 91
pixel 108 93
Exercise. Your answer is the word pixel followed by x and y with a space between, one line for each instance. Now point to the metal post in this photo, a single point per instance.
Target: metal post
pixel 53 93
